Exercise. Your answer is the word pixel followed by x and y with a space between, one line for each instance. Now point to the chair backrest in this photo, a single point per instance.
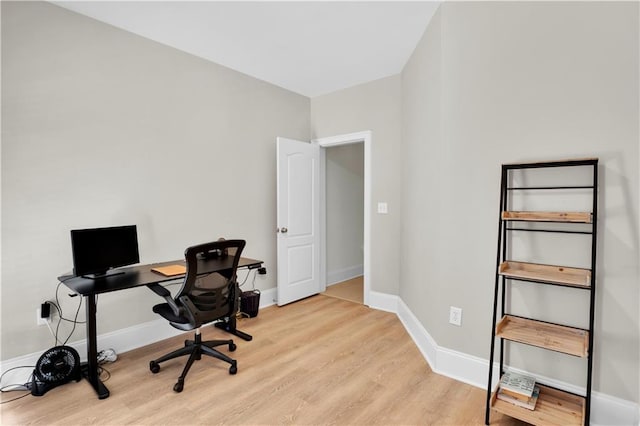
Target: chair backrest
pixel 208 297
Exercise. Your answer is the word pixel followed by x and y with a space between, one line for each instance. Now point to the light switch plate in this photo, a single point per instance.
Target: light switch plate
pixel 382 208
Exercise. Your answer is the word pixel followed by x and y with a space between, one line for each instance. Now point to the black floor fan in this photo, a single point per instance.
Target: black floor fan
pixel 55 367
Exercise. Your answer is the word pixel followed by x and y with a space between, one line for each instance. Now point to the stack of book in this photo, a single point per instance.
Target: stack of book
pixel 518 389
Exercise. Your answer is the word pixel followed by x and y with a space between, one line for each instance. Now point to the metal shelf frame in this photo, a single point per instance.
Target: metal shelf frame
pixel 501 282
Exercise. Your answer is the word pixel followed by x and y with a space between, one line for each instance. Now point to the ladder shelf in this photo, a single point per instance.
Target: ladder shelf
pixel 553 406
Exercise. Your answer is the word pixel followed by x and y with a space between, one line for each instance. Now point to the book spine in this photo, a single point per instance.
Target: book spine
pixel 517 402
pixel 516 395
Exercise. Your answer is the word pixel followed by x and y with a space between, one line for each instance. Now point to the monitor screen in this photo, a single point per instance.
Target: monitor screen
pixel 97 250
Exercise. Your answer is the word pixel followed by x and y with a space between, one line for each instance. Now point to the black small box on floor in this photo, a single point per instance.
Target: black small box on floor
pixel 249 302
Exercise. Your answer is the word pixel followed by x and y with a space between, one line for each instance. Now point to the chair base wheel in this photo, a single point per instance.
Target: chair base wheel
pixel 233 369
pixel 154 367
pixel 232 347
pixel 178 386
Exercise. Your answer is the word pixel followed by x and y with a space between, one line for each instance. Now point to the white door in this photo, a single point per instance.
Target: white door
pixel 298 229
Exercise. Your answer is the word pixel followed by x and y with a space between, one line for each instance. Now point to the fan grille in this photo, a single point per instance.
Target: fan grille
pixel 57 364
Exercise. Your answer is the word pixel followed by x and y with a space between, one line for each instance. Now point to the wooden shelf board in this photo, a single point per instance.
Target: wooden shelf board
pixel 574 277
pixel 568 340
pixel 554 407
pixel 531 216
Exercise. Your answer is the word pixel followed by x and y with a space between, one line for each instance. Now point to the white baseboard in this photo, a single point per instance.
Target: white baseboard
pixel 605 409
pixel 457 365
pixel 339 275
pixel 268 297
pixel 122 340
pixel 608 410
pixel 421 337
pixel 383 301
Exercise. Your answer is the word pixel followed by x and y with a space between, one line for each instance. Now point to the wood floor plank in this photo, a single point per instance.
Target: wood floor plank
pixel 317 361
pixel 352 289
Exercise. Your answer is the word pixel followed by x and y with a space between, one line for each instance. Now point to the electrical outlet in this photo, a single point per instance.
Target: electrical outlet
pixel 41 321
pixel 455 316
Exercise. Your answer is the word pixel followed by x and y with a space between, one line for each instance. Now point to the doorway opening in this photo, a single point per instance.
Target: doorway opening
pixel 345 189
pixel 344 210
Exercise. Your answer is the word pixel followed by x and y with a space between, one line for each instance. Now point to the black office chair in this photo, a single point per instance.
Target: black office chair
pixel 202 299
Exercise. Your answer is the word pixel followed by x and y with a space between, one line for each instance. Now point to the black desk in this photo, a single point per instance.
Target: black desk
pixel 131 277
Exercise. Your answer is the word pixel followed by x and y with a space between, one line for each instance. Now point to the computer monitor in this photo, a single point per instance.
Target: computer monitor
pixel 96 251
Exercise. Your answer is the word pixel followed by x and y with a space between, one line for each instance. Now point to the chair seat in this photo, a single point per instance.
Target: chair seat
pixel 165 311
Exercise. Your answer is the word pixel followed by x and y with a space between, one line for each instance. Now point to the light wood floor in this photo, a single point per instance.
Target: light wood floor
pixel 318 361
pixel 351 290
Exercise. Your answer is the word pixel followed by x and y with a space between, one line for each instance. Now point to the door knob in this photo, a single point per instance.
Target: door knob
pixel 284 230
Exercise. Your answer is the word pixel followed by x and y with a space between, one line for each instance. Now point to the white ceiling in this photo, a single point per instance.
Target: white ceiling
pixel 310 48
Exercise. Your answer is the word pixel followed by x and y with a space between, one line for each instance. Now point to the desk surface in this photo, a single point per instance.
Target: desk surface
pixel 140 275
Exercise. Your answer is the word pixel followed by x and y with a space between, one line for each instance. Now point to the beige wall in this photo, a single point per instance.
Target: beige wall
pixel 102 127
pixel 344 211
pixel 374 106
pixel 514 81
pixel 425 286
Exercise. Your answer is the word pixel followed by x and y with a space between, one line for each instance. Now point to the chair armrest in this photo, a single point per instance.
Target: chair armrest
pixel 166 294
pixel 159 290
pixel 190 309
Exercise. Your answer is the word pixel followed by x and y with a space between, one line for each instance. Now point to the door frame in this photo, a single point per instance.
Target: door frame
pixel 364 137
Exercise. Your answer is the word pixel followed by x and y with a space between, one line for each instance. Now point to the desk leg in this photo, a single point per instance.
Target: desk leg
pixel 230 327
pixel 90 368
